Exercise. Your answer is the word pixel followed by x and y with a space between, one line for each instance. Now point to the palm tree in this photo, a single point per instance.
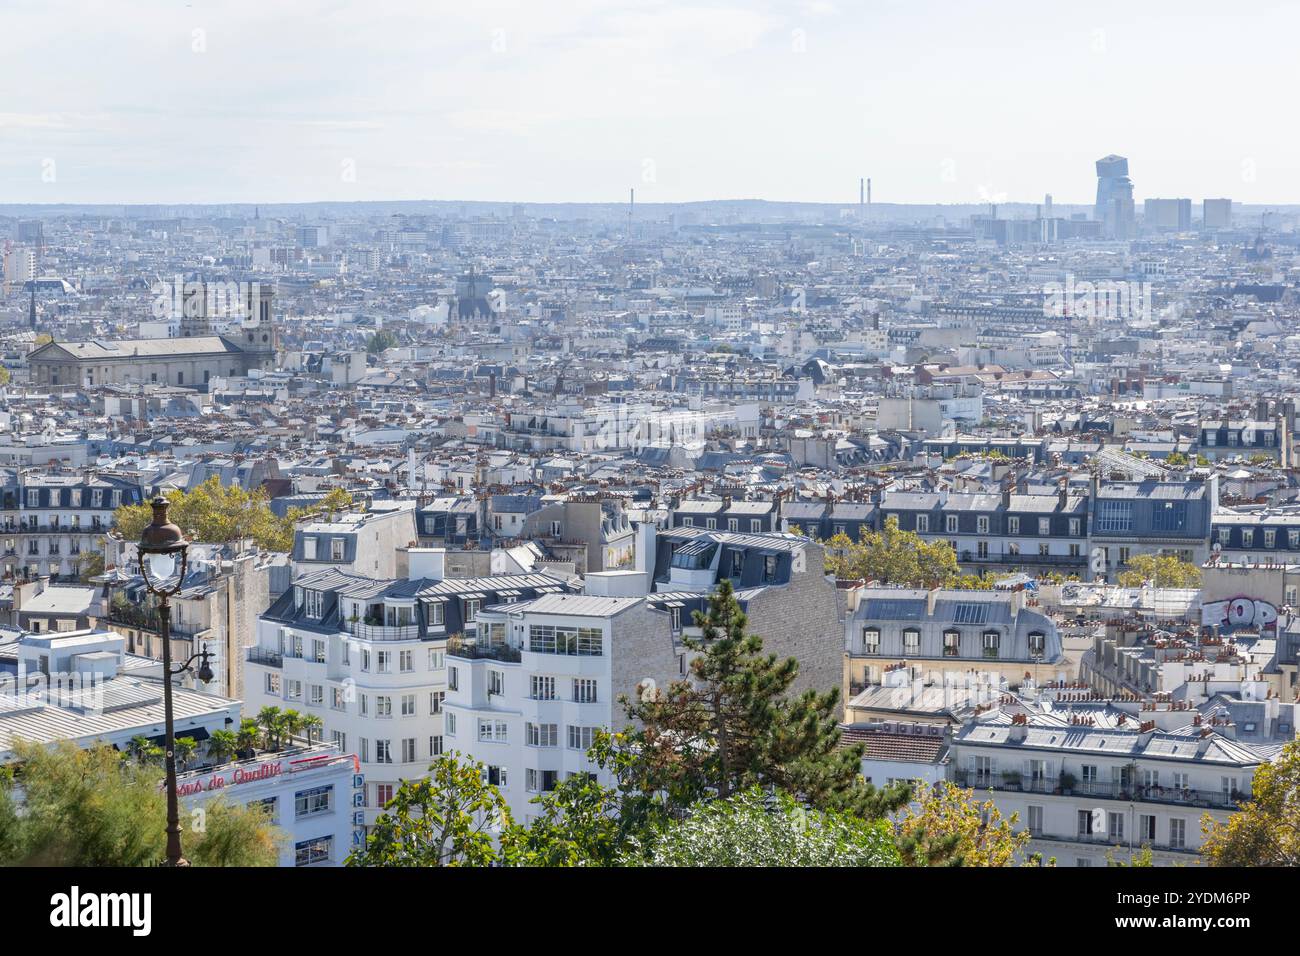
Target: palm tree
pixel 311 724
pixel 269 718
pixel 290 725
pixel 248 736
pixel 222 746
pixel 144 750
pixel 185 750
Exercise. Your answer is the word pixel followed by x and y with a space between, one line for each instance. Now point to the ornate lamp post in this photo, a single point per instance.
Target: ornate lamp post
pixel 160 546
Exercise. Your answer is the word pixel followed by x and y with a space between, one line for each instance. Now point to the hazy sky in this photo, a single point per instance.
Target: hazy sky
pixel 578 100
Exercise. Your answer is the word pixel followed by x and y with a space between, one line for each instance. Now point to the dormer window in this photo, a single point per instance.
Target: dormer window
pixel 991 641
pixel 871 640
pixel 951 643
pixel 313 604
pixel 911 641
pixel 1037 642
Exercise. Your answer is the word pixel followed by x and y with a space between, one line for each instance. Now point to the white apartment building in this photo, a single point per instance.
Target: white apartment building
pixel 1087 782
pixel 368 657
pixel 526 697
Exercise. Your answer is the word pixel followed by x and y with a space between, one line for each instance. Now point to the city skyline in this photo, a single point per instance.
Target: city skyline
pixel 317 101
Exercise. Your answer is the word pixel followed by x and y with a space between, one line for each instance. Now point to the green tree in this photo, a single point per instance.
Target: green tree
pixel 249 736
pixel 1266 829
pixel 1176 460
pixel 947 827
pixel 223 746
pixel 732 726
pixel 453 817
pixel 269 719
pixel 186 749
pixel 91 566
pixel 143 750
pixel 92 807
pixel 4 376
pixel 755 828
pixel 216 514
pixel 1163 570
pixel 380 341
pixel 892 556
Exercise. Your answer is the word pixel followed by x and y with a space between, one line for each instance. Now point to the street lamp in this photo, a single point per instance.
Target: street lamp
pixel 160 545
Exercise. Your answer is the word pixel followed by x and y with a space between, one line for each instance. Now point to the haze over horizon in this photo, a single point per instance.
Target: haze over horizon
pixel 323 101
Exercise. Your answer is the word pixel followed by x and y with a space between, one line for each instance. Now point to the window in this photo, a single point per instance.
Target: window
pixel 1115 826
pixel 982 524
pixel 408 750
pixel 542 735
pixel 584 690
pixel 1247 537
pixel 496 776
pixel 922 523
pixel 318 651
pixel 273 684
pixel 383 751
pixel 492 731
pixel 951 524
pixel 336 549
pixel 1293 538
pixel 540 781
pixel 383 706
pixel 1146 828
pixel 313 604
pixel 990 643
pixel 496 683
pixel 1013 524
pixel 1044 526
pixel 1037 642
pixel 317 697
pixel 384 662
pixel 1169 516
pixel 871 640
pixel 911 641
pixel 436 699
pixel 541 688
pixel 1114 516
pixel 435 611
pixel 1085 823
pixel 471 609
pixel 450 722
pixel 579 641
pixel 1035 821
pixel 309 803
pixel 406 661
pixel 755 524
pixel 733 524
pixel 435 745
pixel 982 549
pixel 1177 833
pixel 408 705
pixel 580 738
pixel 293 690
pixel 453 678
pixel 1074 527
pixel 337 699
pixel 769 567
pixel 383 794
pixel 951 643
pixel 316 850
pixel 340 740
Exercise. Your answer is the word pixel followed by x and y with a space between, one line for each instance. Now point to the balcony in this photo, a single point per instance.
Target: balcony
pixel 1207 799
pixel 268 658
pixel 1029 560
pixel 383 632
pixel 474 651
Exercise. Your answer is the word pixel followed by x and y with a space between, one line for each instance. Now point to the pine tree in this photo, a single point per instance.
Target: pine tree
pixel 732 726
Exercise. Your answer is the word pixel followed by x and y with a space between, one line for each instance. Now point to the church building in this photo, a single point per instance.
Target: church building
pixel 190 360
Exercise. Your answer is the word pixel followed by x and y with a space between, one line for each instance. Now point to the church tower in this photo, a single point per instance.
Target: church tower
pixel 259 336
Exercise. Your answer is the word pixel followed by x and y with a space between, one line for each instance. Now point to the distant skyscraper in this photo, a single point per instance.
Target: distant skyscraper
pixel 1168 215
pixel 1114 197
pixel 1217 213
